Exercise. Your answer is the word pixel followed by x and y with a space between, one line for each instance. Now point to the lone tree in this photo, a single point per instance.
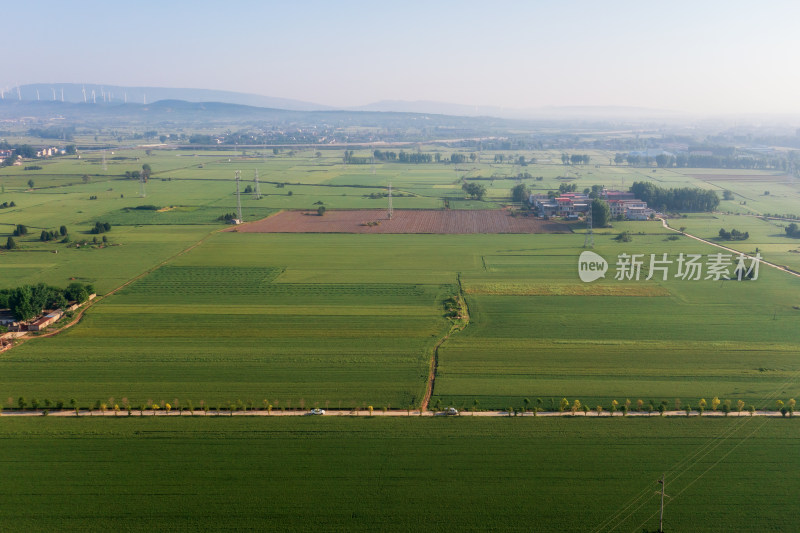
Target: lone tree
pixel 601 213
pixel 11 243
pixel 476 191
pixel 563 405
pixel 520 193
pixel 321 210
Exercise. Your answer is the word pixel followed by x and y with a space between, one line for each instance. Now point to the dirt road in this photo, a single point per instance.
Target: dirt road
pixel 737 252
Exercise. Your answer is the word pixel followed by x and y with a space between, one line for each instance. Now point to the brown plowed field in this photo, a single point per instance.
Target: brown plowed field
pixel 403 221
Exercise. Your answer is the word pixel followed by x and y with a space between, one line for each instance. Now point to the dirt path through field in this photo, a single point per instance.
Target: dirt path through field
pixel 773 265
pixel 461 323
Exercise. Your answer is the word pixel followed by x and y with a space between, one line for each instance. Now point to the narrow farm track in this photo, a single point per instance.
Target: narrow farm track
pixel 77 318
pixel 434 366
pixel 764 262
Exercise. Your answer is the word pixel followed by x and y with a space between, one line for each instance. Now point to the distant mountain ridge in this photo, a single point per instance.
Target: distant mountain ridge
pixel 549 112
pixel 116 94
pixel 205 113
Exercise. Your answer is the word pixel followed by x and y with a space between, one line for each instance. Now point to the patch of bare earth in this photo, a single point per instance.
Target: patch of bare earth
pixel 402 221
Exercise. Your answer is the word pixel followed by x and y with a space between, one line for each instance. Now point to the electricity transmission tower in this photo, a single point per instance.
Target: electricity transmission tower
pixel 256 187
pixel 663 483
pixel 238 197
pixel 588 240
pixel 142 181
pixel 105 166
pixel 391 210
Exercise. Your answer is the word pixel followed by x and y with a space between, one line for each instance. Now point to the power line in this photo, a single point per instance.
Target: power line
pixel 689 462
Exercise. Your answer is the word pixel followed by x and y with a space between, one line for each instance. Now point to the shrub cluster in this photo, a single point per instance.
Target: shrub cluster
pixel 733 235
pixel 100 227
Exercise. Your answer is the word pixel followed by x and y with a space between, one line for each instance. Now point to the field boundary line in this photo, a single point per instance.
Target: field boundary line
pixel 454 328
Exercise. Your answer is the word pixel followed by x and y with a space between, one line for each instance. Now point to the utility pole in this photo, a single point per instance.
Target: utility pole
pixel 256 187
pixel 588 240
pixel 391 210
pixel 663 483
pixel 238 199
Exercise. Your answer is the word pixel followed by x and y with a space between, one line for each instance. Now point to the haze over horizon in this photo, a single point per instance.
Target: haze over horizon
pixel 711 57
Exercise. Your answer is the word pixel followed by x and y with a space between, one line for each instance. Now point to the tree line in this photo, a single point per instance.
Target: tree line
pixel 793 231
pixel 677 199
pixel 733 235
pixel 28 301
pixel 575 159
pixel 703 161
pixel 475 190
pixel 100 227
pixel 47 236
pixel 410 157
pixel 405 157
pixel 564 406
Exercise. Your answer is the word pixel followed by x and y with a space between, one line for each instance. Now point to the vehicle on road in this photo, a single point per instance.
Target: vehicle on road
pixel 451 411
pixel 317 412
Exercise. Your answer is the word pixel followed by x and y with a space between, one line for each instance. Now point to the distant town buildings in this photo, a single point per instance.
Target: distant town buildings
pixel 50 152
pixel 650 152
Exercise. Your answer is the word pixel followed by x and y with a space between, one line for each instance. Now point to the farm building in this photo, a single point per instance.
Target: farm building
pixel 650 152
pixel 73 305
pixel 6 318
pixel 46 320
pixel 625 205
pixel 630 209
pixel 607 195
pixel 568 205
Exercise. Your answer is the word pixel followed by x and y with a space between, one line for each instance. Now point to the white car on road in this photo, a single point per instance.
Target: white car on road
pixel 317 412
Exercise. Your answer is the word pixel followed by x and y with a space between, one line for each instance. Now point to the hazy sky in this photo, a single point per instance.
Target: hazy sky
pixel 698 56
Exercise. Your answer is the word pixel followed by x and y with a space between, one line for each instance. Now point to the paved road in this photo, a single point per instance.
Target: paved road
pixel 364 412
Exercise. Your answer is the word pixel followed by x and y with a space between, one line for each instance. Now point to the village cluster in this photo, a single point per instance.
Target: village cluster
pixel 572 205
